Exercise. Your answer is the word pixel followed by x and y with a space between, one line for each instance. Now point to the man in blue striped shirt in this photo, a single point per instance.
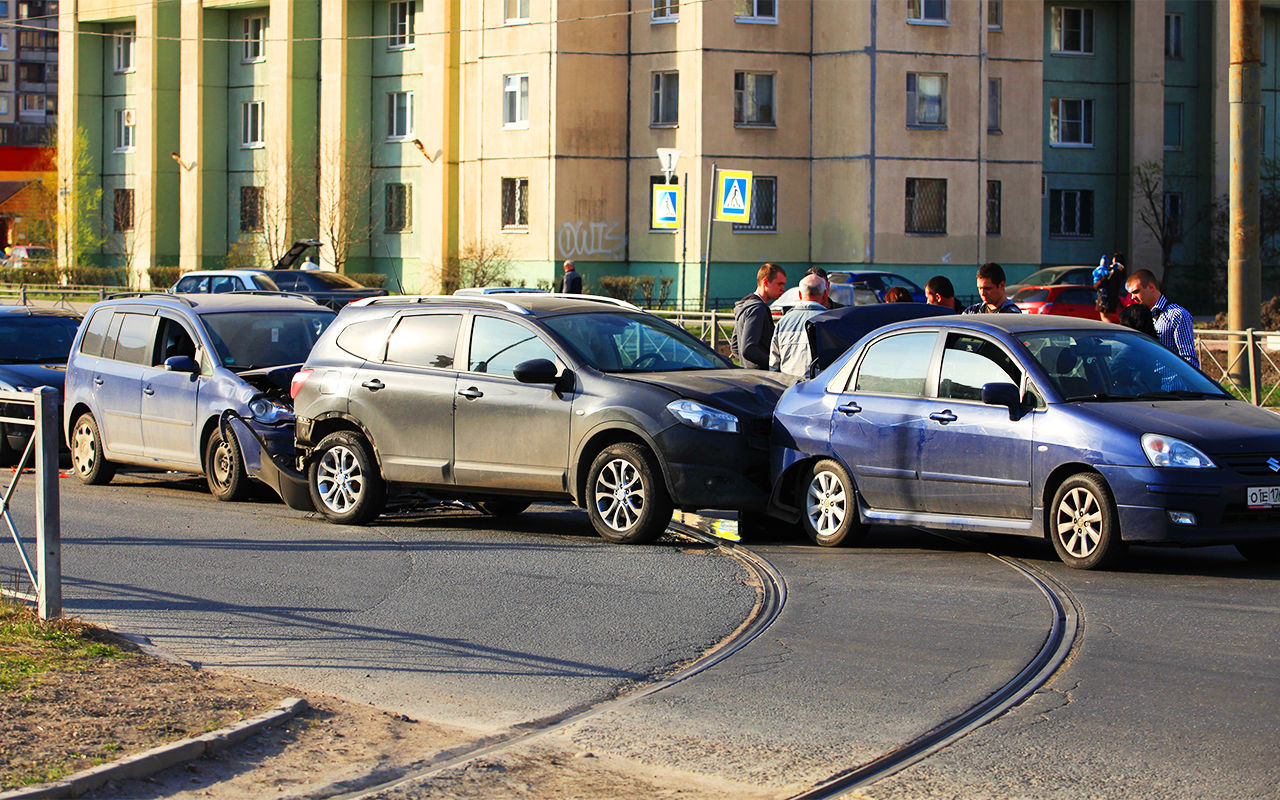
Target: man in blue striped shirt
pixel 1173 322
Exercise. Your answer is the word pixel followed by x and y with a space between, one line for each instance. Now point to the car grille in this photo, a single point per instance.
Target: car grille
pixel 1255 464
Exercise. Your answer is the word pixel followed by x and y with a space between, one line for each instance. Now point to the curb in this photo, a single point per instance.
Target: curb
pixel 148 762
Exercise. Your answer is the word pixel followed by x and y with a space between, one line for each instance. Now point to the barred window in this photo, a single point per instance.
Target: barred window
pixel 251 198
pixel 1070 213
pixel 926 205
pixel 399 211
pixel 515 202
pixel 122 210
pixel 993 208
pixel 764 206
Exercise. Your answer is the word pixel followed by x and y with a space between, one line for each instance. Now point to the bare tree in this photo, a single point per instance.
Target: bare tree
pixel 482 263
pixel 1167 224
pixel 123 241
pixel 287 207
pixel 342 216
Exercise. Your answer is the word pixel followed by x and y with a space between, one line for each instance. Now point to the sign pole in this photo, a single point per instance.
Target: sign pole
pixel 684 241
pixel 711 213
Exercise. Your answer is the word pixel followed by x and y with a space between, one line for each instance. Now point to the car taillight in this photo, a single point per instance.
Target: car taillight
pixel 299 378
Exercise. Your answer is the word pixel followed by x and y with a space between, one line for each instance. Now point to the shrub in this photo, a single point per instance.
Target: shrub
pixel 620 287
pixel 375 280
pixel 98 276
pixel 163 275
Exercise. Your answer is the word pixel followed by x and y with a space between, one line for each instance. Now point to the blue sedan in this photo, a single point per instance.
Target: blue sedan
pixel 1082 432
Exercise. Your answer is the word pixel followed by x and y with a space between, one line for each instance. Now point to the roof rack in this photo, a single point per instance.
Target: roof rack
pixel 275 293
pixel 165 295
pixel 455 299
pixel 595 298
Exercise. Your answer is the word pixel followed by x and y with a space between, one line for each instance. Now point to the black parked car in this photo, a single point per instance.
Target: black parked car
pixel 34 343
pixel 501 400
pixel 332 289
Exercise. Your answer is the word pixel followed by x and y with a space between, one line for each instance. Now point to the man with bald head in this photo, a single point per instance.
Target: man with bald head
pixel 789 352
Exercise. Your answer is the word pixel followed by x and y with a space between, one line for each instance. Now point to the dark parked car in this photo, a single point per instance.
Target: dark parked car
pixel 1081 432
pixel 150 373
pixel 34 343
pixel 845 294
pixel 504 399
pixel 879 282
pixel 332 289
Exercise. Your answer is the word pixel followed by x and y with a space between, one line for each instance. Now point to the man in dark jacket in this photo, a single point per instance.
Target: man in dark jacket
pixel 571 283
pixel 753 321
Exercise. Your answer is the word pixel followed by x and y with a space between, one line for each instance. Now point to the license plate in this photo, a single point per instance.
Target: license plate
pixel 1264 496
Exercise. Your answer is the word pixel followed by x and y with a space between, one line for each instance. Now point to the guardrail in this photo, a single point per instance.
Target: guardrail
pixel 713 327
pixel 1223 353
pixel 42 453
pixel 62 296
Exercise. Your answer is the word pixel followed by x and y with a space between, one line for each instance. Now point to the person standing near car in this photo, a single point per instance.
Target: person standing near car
pixel 1108 280
pixel 789 351
pixel 939 292
pixel 1172 321
pixel 571 283
pixel 991 287
pixel 753 321
pixel 826 287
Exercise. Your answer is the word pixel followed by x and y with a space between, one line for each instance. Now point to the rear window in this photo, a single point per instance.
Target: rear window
pixel 95 333
pixel 1034 294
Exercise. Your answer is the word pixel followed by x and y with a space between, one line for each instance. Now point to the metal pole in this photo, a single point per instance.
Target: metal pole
pixel 711 214
pixel 48 518
pixel 1244 267
pixel 1252 342
pixel 682 290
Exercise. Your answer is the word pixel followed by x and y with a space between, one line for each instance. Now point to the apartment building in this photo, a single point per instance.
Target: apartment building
pixel 28 72
pixel 922 136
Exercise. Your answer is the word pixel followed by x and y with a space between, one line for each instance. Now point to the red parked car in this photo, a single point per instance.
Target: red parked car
pixel 1064 299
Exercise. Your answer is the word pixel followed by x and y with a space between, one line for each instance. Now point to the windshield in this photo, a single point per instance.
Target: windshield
pixel 257 339
pixel 1116 365
pixel 633 342
pixel 36 339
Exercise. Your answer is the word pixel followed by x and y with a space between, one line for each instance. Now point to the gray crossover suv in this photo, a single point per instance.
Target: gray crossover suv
pixel 504 399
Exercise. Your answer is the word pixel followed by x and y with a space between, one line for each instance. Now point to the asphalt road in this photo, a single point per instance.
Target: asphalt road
pixel 1171 691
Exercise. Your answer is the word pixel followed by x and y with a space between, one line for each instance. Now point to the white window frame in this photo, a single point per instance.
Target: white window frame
pixel 1058 37
pixel 1057 119
pixel 1182 118
pixel 664 11
pixel 1173 36
pixel 995 91
pixel 515 101
pixel 122 47
pixel 916 100
pixel 4 104
pixel 747 92
pixel 757 195
pixel 516 12
pixel 253 35
pixel 750 11
pixel 400 22
pixel 252 129
pixel 660 116
pixel 995 15
pixel 521 187
pixel 399 116
pixel 126 131
pixel 918 12
pixel 4 40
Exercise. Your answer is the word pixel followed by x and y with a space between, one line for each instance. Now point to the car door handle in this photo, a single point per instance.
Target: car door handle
pixel 849 409
pixel 943 416
pixel 471 393
pixel 98 381
pixel 148 390
pixel 373 385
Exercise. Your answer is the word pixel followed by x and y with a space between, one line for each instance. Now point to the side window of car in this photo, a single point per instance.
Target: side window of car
pixel 95 332
pixel 897 365
pixel 286 282
pixel 192 284
pixel 135 338
pixel 263 282
pixel 224 283
pixel 497 346
pixel 365 340
pixel 1081 297
pixel 969 362
pixel 174 341
pixel 425 340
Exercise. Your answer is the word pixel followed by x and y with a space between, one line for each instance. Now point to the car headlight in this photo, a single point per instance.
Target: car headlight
pixel 697 415
pixel 269 412
pixel 1166 451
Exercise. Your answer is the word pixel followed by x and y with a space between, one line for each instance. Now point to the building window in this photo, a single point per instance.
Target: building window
pixel 764 206
pixel 123 48
pixel 251 129
pixel 993 208
pixel 4 107
pixel 399 115
pixel 4 73
pixel 515 202
pixel 1173 214
pixel 666 99
pixel 930 12
pixel 1071 122
pixel 665 11
pixel 400 34
pixel 251 208
pixel 399 211
pixel 753 99
pixel 124 130
pixel 4 8
pixel 254 35
pixel 4 40
pixel 1070 213
pixel 516 10
pixel 1173 36
pixel 755 10
pixel 926 205
pixel 659 180
pixel 1173 126
pixel 122 210
pixel 515 101
pixel 995 15
pixel 993 105
pixel 1072 31
pixel 926 99
pixel 30 73
pixel 31 103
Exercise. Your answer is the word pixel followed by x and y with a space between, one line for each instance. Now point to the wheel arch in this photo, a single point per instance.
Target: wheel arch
pixel 1056 478
pixel 784 500
pixel 76 410
pixel 596 443
pixel 337 421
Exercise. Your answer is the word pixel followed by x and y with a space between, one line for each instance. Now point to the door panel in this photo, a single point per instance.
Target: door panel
pixel 118 382
pixel 170 431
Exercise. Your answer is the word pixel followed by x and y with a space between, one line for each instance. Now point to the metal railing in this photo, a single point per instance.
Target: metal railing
pixel 712 327
pixel 1224 354
pixel 62 296
pixel 41 453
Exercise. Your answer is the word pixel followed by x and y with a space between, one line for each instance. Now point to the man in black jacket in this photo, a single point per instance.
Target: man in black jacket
pixel 571 283
pixel 753 321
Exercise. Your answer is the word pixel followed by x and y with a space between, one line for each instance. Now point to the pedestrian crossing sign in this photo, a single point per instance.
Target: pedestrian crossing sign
pixel 733 196
pixel 666 206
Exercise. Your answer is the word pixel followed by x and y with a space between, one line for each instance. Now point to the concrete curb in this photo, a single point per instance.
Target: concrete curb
pixel 148 762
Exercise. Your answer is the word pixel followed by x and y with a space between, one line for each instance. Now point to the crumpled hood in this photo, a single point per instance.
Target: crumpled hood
pixel 272 381
pixel 54 375
pixel 744 392
pixel 1218 427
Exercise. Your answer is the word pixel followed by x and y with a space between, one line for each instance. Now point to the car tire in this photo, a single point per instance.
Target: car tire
pixel 87 461
pixel 502 506
pixel 224 468
pixel 1083 523
pixel 346 485
pixel 1265 552
pixel 626 497
pixel 829 506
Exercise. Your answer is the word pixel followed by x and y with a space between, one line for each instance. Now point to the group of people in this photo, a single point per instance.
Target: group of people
pixel 760 344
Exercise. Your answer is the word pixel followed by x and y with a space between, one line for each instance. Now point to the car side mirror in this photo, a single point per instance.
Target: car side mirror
pixel 181 364
pixel 536 370
pixel 1002 394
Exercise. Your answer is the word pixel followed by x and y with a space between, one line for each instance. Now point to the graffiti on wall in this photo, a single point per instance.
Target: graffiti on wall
pixel 591 239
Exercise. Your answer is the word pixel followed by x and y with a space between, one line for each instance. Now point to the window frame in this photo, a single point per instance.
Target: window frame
pixel 662 12
pixel 121 221
pixel 252 126
pixel 1058 31
pixel 256 195
pixel 753 225
pixel 741 95
pixel 515 101
pixel 400 113
pixel 657 106
pixel 995 8
pixel 912 224
pixel 1174 24
pixel 995 105
pixel 520 204
pixel 917 11
pixel 126 133
pixel 1172 221
pixel 122 51
pixel 914 101
pixel 401 222
pixel 253 40
pixel 1085 120
pixel 1181 129
pixel 1080 196
pixel 754 17
pixel 994 207
pixel 521 9
pixel 401 16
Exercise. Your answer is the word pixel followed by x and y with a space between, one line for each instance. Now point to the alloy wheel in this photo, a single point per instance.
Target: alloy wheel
pixel 339 479
pixel 826 503
pixel 620 494
pixel 1078 522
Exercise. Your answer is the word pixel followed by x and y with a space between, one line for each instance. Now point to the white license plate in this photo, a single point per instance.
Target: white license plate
pixel 1264 497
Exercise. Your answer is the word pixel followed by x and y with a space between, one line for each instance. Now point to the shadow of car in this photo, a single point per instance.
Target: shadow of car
pixel 34 344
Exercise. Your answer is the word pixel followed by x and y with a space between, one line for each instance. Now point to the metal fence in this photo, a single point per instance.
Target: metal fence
pixel 1227 354
pixel 41 454
pixel 62 296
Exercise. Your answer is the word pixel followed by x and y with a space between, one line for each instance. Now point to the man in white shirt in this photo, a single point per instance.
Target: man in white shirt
pixel 789 351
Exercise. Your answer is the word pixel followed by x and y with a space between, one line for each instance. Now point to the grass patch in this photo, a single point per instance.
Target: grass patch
pixel 31 647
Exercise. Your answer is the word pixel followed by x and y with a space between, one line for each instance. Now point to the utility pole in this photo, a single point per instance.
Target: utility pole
pixel 1244 267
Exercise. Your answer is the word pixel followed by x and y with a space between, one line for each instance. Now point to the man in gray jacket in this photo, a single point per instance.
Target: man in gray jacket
pixel 789 352
pixel 753 321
